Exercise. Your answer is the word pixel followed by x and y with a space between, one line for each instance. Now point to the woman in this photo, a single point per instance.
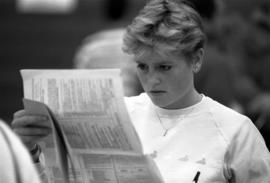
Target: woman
pixel 187 131
pixel 184 131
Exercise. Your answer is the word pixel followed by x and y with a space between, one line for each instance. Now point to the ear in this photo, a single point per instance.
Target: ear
pixel 197 60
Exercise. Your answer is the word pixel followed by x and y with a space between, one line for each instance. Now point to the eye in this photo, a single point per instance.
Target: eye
pixel 142 67
pixel 165 67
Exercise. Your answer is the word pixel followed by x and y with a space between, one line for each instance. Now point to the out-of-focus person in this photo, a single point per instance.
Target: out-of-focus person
pixel 16 165
pixel 104 50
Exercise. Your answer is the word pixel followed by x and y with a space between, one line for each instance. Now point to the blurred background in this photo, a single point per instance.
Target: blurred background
pixel 49 34
pixel 46 34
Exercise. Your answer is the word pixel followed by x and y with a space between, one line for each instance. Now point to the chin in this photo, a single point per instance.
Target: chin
pixel 159 103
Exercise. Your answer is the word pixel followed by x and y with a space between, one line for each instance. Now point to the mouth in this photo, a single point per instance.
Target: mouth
pixel 156 92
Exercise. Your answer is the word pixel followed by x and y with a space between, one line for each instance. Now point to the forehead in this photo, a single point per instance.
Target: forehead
pixel 154 57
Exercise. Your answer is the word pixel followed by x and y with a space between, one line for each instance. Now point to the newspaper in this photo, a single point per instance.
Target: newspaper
pixel 90 125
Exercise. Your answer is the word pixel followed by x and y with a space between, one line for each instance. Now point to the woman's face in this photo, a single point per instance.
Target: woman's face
pixel 168 80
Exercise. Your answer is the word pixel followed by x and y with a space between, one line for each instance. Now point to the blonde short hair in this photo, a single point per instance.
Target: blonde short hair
pixel 166 26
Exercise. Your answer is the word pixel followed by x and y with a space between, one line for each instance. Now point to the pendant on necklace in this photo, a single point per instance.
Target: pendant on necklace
pixel 165 133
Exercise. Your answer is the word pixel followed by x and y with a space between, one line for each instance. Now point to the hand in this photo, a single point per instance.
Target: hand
pixel 30 127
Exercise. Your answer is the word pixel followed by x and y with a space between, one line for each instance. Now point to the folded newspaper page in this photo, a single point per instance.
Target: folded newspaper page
pixel 63 150
pixel 101 142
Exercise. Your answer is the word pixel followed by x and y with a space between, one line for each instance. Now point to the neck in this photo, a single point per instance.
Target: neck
pixel 194 98
pixel 191 98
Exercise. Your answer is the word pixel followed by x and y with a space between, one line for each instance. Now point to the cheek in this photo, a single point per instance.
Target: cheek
pixel 142 79
pixel 179 83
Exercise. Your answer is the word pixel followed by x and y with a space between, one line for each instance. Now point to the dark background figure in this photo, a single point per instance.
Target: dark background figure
pixel 218 74
pixel 236 66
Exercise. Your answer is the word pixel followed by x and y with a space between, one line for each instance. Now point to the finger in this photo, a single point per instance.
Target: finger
pixel 23 112
pixel 32 132
pixel 30 141
pixel 19 113
pixel 36 120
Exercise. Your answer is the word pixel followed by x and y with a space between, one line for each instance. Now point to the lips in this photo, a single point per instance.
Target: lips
pixel 156 92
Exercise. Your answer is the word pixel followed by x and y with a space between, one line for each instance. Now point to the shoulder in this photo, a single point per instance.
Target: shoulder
pixel 229 122
pixel 223 113
pixel 246 150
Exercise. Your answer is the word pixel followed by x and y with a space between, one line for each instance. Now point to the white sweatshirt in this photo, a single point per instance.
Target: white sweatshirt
pixel 208 137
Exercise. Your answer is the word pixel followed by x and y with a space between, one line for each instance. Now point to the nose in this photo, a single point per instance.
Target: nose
pixel 153 79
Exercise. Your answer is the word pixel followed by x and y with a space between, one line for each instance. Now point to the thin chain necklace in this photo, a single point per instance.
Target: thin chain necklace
pixel 180 118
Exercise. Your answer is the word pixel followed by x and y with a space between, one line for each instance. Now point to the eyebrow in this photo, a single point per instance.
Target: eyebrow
pixel 164 62
pixel 158 63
